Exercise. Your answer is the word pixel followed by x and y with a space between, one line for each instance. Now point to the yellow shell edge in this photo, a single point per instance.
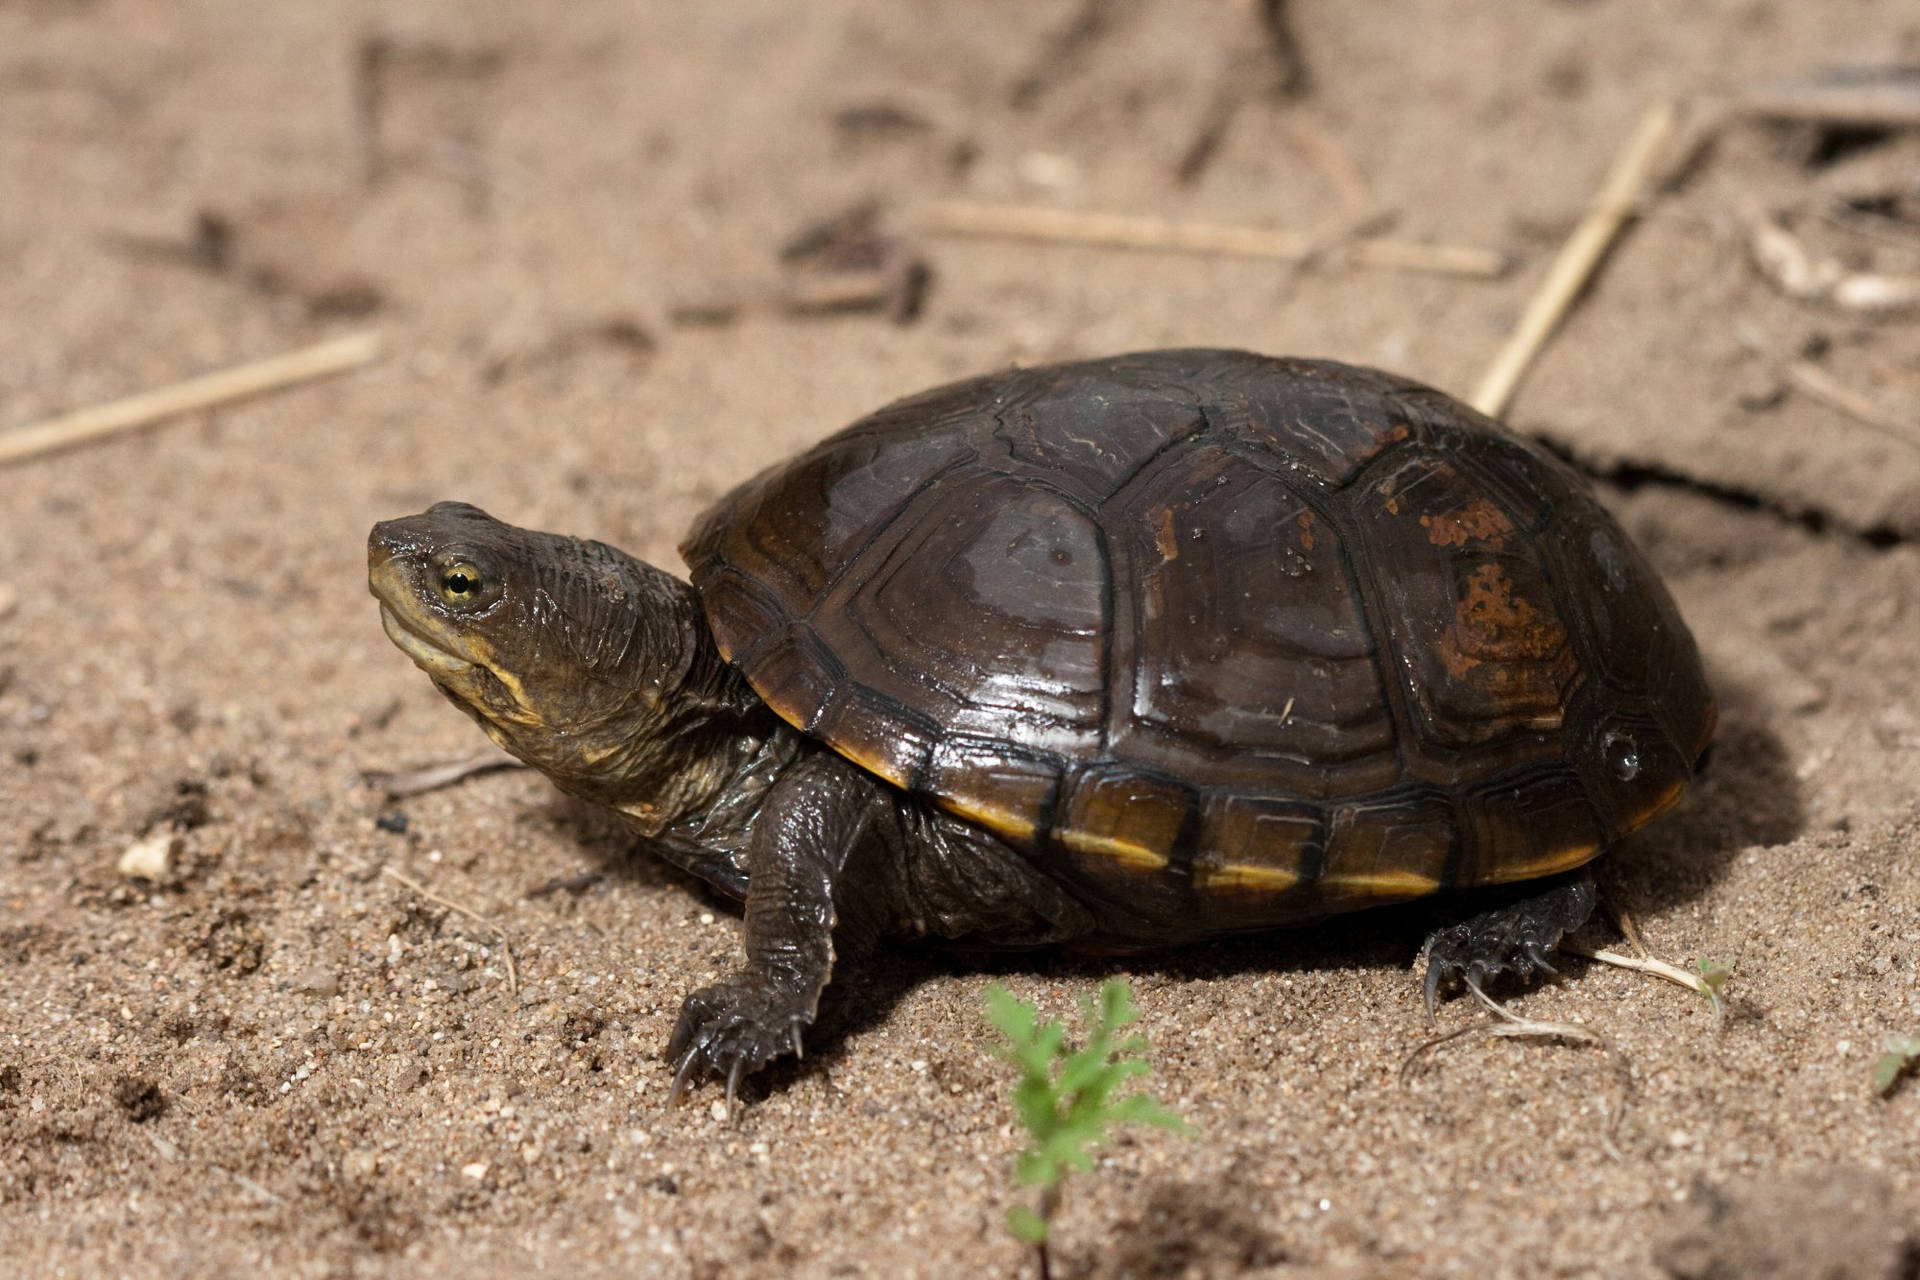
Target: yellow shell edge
pixel 1124 852
pixel 1235 875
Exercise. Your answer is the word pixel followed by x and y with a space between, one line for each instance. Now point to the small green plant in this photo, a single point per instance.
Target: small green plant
pixel 1902 1057
pixel 1712 984
pixel 1065 1096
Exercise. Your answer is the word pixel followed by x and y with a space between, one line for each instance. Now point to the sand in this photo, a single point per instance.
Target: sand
pixel 275 1058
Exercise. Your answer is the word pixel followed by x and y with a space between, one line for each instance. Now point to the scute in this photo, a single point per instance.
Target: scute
pixel 1254 648
pixel 1208 632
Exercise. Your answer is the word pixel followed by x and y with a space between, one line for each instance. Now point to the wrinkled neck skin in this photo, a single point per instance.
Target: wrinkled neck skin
pixel 663 728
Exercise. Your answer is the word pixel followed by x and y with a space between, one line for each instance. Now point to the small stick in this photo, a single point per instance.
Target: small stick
pixel 1334 164
pixel 148 407
pixel 572 884
pixel 399 784
pixel 1817 384
pixel 1290 63
pixel 506 947
pixel 1578 258
pixel 1863 98
pixel 1122 231
pixel 1645 964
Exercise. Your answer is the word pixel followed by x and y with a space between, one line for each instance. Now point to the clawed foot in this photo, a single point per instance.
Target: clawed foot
pixel 734 1028
pixel 1517 938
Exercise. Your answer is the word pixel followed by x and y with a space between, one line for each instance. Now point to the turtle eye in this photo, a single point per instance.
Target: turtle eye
pixel 460 583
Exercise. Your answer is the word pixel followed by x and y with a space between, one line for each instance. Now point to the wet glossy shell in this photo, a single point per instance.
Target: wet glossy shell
pixel 1206 630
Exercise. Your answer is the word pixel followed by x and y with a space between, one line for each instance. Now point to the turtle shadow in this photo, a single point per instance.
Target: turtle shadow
pixel 1746 796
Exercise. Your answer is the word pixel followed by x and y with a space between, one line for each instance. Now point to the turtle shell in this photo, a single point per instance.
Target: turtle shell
pixel 1211 631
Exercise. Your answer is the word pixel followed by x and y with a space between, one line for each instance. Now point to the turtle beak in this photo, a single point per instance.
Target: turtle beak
pixel 387 577
pixel 391 554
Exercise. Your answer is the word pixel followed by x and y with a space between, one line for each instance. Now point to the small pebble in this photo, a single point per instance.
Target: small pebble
pixel 718 1110
pixel 1049 170
pixel 477 1170
pixel 318 980
pixel 150 859
pixel 394 822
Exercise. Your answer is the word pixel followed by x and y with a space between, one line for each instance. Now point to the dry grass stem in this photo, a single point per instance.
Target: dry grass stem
pixel 1123 231
pixel 506 947
pixel 1816 383
pixel 399 784
pixel 1857 98
pixel 1327 156
pixel 1615 203
pixel 148 407
pixel 1646 964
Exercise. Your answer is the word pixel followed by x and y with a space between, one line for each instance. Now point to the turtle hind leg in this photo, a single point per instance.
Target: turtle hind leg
pixel 1518 938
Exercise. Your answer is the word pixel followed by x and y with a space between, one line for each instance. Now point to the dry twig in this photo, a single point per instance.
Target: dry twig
pixel 1292 78
pixel 1326 155
pixel 401 783
pixel 506 947
pixel 1121 231
pixel 1578 258
pixel 205 392
pixel 1843 98
pixel 1816 383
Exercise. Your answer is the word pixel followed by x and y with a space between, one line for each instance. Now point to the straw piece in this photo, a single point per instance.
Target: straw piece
pixel 1578 258
pixel 1845 98
pixel 1122 231
pixel 399 784
pixel 148 407
pixel 1817 384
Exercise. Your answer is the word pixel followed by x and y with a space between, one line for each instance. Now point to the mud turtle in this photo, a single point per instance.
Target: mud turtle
pixel 1132 651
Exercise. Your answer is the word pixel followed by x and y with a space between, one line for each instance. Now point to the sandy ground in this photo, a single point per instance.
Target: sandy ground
pixel 275 1058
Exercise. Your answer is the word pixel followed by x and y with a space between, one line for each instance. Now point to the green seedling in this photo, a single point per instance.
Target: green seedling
pixel 1065 1096
pixel 1712 984
pixel 1901 1058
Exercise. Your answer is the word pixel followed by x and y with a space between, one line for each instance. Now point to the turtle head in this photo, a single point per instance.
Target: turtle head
pixel 562 649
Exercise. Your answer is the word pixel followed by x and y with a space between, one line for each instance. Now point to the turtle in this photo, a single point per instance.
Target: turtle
pixel 1119 653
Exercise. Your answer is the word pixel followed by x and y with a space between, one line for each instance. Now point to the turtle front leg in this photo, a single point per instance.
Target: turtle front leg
pixel 823 819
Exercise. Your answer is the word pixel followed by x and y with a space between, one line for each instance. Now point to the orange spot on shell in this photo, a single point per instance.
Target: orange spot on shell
pixel 1305 521
pixel 1477 521
pixel 1492 623
pixel 1165 539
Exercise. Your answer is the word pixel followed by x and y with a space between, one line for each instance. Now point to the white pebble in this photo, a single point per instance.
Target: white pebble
pixel 150 859
pixel 477 1170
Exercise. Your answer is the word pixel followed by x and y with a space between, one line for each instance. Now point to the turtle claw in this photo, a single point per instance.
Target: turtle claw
pixel 680 1077
pixel 732 1029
